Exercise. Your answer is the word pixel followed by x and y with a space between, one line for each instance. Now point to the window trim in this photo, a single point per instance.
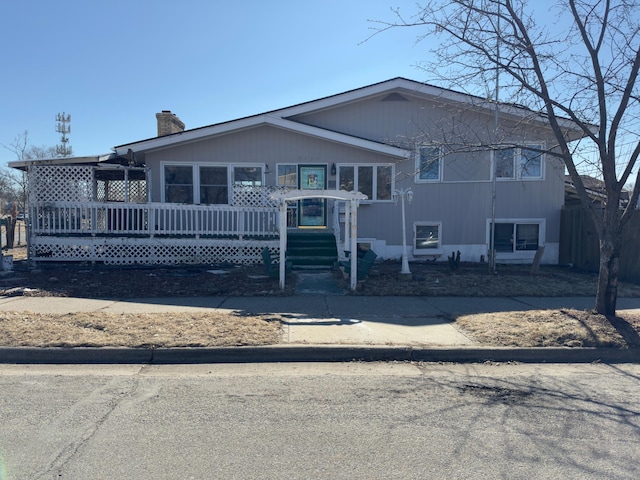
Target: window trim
pixel 285 164
pixel 195 171
pixel 374 185
pixel 427 251
pixel 231 168
pixel 517 162
pixel 163 184
pixel 418 158
pixel 518 254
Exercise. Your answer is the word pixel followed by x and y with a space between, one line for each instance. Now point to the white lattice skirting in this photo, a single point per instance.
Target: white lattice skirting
pixel 150 251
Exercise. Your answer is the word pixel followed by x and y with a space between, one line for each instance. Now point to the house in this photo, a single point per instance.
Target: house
pixel 595 189
pixel 218 192
pixel 579 243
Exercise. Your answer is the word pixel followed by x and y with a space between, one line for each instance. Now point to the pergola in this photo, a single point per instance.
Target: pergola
pixel 352 201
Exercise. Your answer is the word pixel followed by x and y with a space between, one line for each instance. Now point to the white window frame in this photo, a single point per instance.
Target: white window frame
pixel 294 165
pixel 374 186
pixel 195 170
pixel 196 197
pixel 163 189
pixel 232 175
pixel 515 253
pixel 517 162
pixel 418 159
pixel 427 251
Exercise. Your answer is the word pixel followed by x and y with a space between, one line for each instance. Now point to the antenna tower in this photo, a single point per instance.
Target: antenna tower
pixel 63 127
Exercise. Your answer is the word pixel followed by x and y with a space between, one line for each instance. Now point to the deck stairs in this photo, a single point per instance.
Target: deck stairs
pixel 312 249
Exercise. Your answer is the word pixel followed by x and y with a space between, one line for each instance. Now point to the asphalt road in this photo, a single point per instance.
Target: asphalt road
pixel 304 421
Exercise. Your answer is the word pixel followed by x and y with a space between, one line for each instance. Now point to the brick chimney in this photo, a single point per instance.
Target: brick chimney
pixel 168 123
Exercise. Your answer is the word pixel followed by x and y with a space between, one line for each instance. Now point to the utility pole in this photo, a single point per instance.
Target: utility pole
pixel 63 127
pixel 494 158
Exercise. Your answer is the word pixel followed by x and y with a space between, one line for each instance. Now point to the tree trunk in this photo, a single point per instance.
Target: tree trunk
pixel 607 293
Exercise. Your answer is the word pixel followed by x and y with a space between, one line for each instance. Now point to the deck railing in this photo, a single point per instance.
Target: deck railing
pixel 152 219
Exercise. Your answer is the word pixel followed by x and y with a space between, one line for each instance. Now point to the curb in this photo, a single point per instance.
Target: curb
pixel 312 353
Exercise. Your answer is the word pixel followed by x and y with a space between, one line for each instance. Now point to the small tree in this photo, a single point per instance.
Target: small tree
pixel 13 184
pixel 585 70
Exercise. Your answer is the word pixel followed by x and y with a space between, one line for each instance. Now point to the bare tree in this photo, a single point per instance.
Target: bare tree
pixel 583 68
pixel 13 184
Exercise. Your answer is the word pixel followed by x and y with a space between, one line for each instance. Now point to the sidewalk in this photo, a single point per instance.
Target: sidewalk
pixel 324 328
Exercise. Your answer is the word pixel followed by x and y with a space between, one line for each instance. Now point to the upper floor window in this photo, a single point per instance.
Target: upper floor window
pixel 428 163
pixel 520 163
pixel 375 181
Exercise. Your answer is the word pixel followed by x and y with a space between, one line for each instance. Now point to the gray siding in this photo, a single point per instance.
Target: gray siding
pixel 261 145
pixel 461 201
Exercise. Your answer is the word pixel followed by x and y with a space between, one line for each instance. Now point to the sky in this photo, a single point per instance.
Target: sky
pixel 113 64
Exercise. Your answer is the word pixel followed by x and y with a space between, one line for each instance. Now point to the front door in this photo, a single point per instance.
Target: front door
pixel 312 211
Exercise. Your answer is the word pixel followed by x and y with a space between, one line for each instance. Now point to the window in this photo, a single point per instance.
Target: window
pixel 178 183
pixel 214 187
pixel 210 185
pixel 426 237
pixel 375 181
pixel 514 237
pixel 520 163
pixel 247 176
pixel 428 164
pixel 287 176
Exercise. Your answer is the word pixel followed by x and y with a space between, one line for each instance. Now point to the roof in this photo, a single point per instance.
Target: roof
pixel 90 159
pixel 257 120
pixel 281 118
pixel 595 189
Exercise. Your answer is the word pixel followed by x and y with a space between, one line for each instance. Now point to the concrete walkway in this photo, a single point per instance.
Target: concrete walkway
pixel 323 327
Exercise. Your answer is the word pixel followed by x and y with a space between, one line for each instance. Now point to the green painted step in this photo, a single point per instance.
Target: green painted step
pixel 309 250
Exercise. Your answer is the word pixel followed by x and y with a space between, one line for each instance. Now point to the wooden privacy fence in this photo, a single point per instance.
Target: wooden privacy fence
pixel 579 243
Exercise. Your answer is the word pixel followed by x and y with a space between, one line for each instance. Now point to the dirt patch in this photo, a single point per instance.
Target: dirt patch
pixel 135 281
pixel 473 280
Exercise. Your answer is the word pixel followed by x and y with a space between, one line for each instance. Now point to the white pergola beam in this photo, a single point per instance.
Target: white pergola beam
pixel 352 200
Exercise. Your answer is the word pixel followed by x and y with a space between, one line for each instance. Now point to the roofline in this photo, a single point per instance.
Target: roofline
pixel 409 86
pixel 23 164
pixel 418 88
pixel 259 120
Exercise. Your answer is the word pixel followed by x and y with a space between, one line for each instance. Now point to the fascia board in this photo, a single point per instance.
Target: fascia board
pixel 412 87
pixel 409 86
pixel 191 135
pixel 265 119
pixel 23 164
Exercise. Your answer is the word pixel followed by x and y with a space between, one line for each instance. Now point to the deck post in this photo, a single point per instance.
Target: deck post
pixel 347 225
pixel 353 206
pixel 283 241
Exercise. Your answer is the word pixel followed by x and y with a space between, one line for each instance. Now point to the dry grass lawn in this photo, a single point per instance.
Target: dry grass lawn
pixel 542 328
pixel 545 328
pixel 21 329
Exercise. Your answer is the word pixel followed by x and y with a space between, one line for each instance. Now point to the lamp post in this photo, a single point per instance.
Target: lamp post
pixel 408 194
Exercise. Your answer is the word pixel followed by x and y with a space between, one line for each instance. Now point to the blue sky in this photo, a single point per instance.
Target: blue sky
pixel 112 64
